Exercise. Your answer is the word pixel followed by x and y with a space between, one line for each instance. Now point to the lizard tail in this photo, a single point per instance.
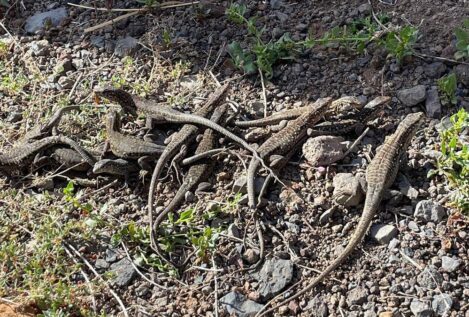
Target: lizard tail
pixel 253 165
pixel 74 145
pixel 356 238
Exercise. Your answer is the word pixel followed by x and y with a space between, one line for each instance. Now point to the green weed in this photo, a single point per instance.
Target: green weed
pixel 259 55
pixel 454 160
pixel 401 43
pixel 462 40
pixel 447 85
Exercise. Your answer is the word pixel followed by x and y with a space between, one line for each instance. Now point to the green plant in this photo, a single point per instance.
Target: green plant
pixel 69 193
pixel 259 55
pixel 462 40
pixel 401 43
pixel 454 160
pixel 447 85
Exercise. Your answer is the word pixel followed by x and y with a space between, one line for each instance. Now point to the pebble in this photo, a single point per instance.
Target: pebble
pixel 413 226
pixel 412 96
pixel 450 264
pixel 39 48
pixel 49 18
pixel 442 303
pixel 126 46
pixel 383 233
pixel 347 189
pixel 236 304
pixel 124 271
pixel 432 103
pixel 14 116
pixel 420 308
pixel 101 264
pixel 251 256
pixel 428 210
pixel 357 296
pixel 274 276
pixel 429 278
pixel 323 150
pixel 462 74
pixel 317 307
pixel 326 216
pixel 435 69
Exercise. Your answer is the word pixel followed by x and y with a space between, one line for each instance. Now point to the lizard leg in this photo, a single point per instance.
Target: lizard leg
pixel 177 158
pixel 145 162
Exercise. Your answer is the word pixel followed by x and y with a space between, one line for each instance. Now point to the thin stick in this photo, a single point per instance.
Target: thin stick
pixel 264 95
pixel 354 144
pixel 85 276
pixel 88 264
pixel 214 78
pixel 104 24
pixel 216 286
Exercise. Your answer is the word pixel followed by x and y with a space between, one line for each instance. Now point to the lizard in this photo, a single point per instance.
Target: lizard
pixel 195 174
pixel 164 114
pixel 380 175
pixel 337 106
pixel 18 155
pixel 179 142
pixel 343 126
pixel 43 130
pixel 281 142
pixel 118 167
pixel 126 146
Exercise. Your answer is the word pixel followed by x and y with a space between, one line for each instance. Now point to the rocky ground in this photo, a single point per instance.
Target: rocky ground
pixel 412 263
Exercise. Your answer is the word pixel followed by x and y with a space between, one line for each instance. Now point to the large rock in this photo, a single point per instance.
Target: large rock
pixel 274 276
pixel 126 46
pixel 432 103
pixel 124 272
pixel 412 96
pixel 462 74
pixel 51 18
pixel 428 210
pixel 237 304
pixel 421 309
pixel 324 150
pixel 347 189
pixel 383 233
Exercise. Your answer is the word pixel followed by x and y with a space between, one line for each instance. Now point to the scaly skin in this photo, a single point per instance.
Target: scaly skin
pixel 282 142
pixel 195 174
pixel 18 155
pixel 72 159
pixel 336 107
pixel 43 130
pixel 126 146
pixel 380 175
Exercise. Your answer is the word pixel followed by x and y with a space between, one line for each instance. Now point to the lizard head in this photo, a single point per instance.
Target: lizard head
pixel 119 96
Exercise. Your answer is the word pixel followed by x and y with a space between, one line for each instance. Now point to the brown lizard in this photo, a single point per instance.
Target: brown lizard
pixel 380 175
pixel 340 105
pixel 127 146
pixel 18 155
pixel 282 142
pixel 195 174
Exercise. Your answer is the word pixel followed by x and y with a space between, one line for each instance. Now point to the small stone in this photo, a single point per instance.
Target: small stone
pixel 14 116
pixel 364 8
pixel 429 278
pixel 240 185
pixel 101 264
pixel 233 231
pixel 317 307
pixel 420 308
pixel 189 197
pixel 189 82
pixel 347 189
pixel 276 4
pixel 258 108
pixel 203 187
pixel 357 296
pixel 126 46
pixel 450 264
pixel 39 48
pixel 124 271
pixel 274 276
pixel 432 103
pixel 462 74
pixel 111 255
pixel 428 210
pixel 386 314
pixel 413 226
pixel 236 304
pixel 442 303
pixel 45 19
pixel 66 82
pixel 326 216
pixel 323 150
pixel 251 256
pixel 97 41
pixel 435 70
pixel 412 96
pixel 383 233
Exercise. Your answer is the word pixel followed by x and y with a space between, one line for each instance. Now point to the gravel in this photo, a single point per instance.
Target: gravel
pixel 427 210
